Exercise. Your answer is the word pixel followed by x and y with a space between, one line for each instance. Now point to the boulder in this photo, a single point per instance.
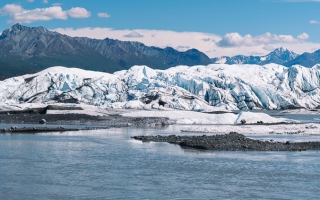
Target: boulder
pixel 42 121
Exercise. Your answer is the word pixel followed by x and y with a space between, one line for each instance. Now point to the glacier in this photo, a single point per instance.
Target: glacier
pixel 196 88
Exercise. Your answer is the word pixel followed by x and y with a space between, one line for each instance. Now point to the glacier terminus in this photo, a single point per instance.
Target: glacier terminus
pixel 197 88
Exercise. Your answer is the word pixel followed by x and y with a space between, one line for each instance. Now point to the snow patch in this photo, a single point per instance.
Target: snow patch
pixel 253 118
pixel 290 129
pixel 189 117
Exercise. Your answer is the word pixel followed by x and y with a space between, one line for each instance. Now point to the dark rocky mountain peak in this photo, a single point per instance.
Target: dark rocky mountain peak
pixel 279 56
pixel 13 30
pixel 18 29
pixel 24 49
pixel 280 50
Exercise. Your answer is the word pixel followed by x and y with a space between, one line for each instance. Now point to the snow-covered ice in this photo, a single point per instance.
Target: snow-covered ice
pixel 175 116
pixel 198 88
pixel 190 117
pixel 252 118
pixel 187 117
pixel 296 129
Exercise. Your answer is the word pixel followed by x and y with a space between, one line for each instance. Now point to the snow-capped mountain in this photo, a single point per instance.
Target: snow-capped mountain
pixel 279 56
pixel 198 88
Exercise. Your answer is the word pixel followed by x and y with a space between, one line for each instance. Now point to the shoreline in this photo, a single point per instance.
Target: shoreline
pixel 37 129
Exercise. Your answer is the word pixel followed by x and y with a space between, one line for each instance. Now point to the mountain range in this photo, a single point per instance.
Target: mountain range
pixel 279 56
pixel 26 49
pixel 30 49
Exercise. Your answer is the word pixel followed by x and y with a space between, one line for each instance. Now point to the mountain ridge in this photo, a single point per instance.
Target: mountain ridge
pixel 24 49
pixel 278 56
pixel 30 49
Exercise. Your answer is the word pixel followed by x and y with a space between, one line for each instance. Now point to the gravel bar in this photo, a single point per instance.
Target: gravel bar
pixel 230 142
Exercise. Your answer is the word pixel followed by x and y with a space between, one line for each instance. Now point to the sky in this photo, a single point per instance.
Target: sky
pixel 215 27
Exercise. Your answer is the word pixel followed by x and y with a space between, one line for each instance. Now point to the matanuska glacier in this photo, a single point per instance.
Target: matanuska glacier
pixel 198 88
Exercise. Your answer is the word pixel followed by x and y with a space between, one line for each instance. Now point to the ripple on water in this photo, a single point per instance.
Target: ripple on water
pixel 108 164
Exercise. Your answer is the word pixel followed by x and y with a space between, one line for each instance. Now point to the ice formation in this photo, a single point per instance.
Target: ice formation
pixel 198 88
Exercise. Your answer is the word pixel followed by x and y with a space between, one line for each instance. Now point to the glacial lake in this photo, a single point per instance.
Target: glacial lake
pixel 108 164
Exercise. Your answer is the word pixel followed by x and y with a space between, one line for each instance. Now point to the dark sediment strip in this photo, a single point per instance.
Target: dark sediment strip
pixel 15 129
pixel 230 142
pixel 82 119
pixel 35 115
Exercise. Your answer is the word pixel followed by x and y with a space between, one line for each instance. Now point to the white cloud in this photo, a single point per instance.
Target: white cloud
pixel 45 1
pixel 78 12
pixel 103 15
pixel 206 39
pixel 133 34
pixel 30 1
pixel 236 40
pixel 18 14
pixel 183 41
pixel 257 53
pixel 314 22
pixel 268 47
pixel 11 9
pixel 303 36
pixel 182 48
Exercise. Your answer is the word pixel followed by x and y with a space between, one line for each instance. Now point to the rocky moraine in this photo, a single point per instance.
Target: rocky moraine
pixel 230 142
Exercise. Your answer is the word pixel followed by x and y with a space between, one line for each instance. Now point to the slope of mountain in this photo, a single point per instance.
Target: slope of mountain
pixel 25 49
pixel 306 59
pixel 198 88
pixel 239 59
pixel 279 56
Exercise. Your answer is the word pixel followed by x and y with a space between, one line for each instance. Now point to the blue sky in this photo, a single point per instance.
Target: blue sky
pixel 216 27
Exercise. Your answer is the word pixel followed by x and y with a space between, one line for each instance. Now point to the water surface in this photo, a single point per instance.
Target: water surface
pixel 108 164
